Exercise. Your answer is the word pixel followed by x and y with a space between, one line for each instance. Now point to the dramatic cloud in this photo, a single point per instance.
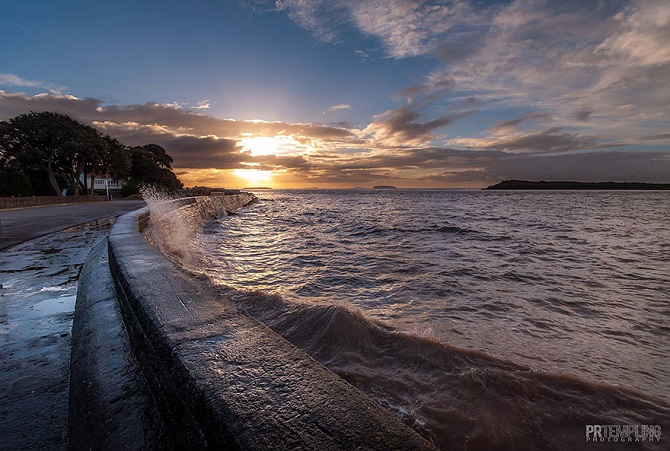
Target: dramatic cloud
pixel 399 127
pixel 595 69
pixel 193 140
pixel 385 151
pixel 446 92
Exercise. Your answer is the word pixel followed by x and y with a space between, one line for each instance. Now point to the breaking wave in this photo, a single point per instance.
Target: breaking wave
pixel 457 398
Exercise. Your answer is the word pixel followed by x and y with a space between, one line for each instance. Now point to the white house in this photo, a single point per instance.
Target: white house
pixel 103 183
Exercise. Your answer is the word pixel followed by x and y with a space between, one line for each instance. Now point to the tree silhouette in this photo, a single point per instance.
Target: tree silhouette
pixel 35 146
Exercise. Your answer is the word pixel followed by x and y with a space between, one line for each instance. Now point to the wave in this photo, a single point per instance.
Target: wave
pixel 457 398
pixel 359 230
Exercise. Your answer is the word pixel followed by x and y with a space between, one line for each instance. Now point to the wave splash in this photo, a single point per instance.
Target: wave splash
pixel 167 227
pixel 459 399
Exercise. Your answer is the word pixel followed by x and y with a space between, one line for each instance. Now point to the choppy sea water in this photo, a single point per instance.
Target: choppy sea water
pixel 484 319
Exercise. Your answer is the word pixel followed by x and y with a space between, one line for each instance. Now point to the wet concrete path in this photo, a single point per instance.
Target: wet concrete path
pixel 20 224
pixel 37 299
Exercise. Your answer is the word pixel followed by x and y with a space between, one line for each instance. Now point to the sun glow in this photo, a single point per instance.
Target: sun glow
pixel 253 176
pixel 261 145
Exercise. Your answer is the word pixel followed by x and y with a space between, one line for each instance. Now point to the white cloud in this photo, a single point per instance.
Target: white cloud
pixel 340 106
pixel 363 54
pixel 16 80
pixel 643 37
pixel 322 17
pixel 203 105
pixel 407 27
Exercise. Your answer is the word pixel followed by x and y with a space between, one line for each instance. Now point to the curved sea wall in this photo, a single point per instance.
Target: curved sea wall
pixel 219 378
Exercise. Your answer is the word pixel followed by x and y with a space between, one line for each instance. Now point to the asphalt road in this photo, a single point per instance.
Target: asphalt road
pixel 21 224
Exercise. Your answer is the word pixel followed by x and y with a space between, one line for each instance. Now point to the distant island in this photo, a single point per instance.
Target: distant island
pixel 258 187
pixel 384 187
pixel 528 185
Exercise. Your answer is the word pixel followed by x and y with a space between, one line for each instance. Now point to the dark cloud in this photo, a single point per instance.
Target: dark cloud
pixel 655 137
pixel 431 90
pixel 412 91
pixel 530 117
pixel 204 152
pixel 13 104
pixel 554 139
pixel 583 114
pixel 186 150
pixel 451 51
pixel 270 162
pixel 193 140
pixel 399 127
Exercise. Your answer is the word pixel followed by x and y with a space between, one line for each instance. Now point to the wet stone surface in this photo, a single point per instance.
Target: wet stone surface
pixel 37 299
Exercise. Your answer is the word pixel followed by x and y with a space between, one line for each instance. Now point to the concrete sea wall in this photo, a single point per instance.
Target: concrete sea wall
pixel 219 378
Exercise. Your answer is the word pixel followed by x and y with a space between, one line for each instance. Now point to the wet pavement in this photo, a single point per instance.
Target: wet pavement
pixel 38 281
pixel 20 224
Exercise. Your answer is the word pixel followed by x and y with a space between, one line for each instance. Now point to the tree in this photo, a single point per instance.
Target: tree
pixel 114 159
pixel 86 145
pixel 32 142
pixel 50 151
pixel 14 182
pixel 151 165
pixel 52 143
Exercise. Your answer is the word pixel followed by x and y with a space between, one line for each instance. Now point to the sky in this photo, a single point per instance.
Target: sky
pixel 356 93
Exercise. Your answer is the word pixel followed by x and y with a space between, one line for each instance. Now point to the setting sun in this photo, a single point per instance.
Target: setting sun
pixel 253 176
pixel 261 145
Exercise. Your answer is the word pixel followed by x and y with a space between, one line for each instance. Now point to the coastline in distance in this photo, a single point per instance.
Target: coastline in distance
pixel 565 185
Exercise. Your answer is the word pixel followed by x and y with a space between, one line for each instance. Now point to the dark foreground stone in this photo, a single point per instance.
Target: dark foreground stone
pixel 110 406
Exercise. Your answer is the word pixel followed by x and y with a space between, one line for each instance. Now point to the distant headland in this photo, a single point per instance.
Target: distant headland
pixel 542 185
pixel 384 187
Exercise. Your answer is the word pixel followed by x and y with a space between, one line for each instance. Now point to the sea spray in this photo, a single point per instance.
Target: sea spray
pixel 174 221
pixel 168 228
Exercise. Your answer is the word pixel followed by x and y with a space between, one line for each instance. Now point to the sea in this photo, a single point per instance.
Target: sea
pixel 483 319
